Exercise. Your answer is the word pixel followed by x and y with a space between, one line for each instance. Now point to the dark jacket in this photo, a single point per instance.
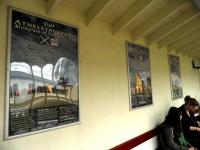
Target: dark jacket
pixel 192 136
pixel 188 121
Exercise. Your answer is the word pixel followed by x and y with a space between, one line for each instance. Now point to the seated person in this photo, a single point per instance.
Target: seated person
pixel 189 122
pixel 171 136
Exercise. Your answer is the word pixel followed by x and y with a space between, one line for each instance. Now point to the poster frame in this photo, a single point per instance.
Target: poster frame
pixel 8 68
pixel 175 61
pixel 131 105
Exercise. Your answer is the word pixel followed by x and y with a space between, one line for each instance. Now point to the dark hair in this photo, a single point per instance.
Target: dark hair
pixel 173 116
pixel 192 101
pixel 173 119
pixel 187 97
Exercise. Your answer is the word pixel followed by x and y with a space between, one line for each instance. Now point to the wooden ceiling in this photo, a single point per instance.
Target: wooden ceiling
pixel 174 24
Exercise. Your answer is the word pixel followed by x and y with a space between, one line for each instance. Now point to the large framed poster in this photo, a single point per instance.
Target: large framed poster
pixel 42 75
pixel 175 77
pixel 140 90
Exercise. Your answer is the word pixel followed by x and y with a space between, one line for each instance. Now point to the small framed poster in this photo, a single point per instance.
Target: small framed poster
pixel 138 62
pixel 42 75
pixel 175 77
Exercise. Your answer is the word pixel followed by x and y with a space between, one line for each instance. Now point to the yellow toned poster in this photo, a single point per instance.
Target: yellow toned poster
pixel 139 75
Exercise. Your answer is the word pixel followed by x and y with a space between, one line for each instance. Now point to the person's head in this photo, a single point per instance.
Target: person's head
pixel 191 105
pixel 187 97
pixel 173 117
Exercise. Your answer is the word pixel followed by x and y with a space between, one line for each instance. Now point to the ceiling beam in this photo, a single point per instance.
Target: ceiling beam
pixel 137 8
pixel 194 53
pixel 186 47
pixel 184 40
pixel 191 51
pixel 196 57
pixel 178 33
pixel 52 5
pixel 96 10
pixel 162 14
pixel 172 25
pixel 1 2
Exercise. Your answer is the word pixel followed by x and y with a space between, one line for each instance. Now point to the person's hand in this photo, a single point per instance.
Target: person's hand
pixel 198 123
pixel 192 148
pixel 198 129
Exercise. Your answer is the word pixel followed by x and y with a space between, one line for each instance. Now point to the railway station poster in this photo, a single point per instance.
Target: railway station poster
pixel 140 90
pixel 175 77
pixel 42 75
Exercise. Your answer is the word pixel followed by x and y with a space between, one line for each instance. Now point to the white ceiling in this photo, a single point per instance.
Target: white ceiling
pixel 174 24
